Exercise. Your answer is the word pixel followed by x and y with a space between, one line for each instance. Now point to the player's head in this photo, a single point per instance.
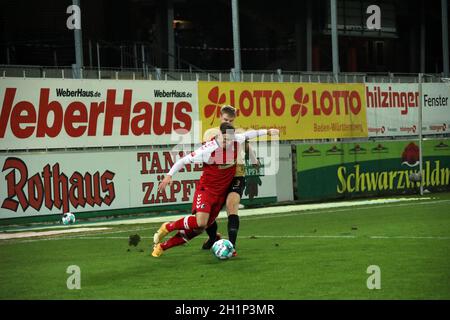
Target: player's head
pixel 227 114
pixel 226 134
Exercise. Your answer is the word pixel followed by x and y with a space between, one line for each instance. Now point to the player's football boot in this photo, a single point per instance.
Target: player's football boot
pixel 161 233
pixel 157 250
pixel 209 243
pixel 234 253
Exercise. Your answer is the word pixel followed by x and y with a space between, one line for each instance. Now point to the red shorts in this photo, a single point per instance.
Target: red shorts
pixel 204 201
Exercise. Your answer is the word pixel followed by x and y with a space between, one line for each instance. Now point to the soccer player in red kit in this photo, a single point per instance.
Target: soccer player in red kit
pixel 237 186
pixel 219 167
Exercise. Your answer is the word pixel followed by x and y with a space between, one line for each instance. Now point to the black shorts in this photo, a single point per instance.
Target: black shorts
pixel 237 185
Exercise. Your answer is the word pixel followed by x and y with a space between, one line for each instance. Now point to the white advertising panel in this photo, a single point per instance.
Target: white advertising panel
pixel 436 107
pixel 55 113
pixel 393 109
pixel 35 183
pixel 53 182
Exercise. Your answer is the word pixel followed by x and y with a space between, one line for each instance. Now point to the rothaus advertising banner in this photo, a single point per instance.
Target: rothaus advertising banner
pixel 345 170
pixel 50 113
pixel 298 110
pixel 393 109
pixel 35 184
pixel 53 182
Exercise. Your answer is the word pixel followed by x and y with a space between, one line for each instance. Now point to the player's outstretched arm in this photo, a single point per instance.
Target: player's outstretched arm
pixel 252 155
pixel 202 154
pixel 177 166
pixel 273 132
pixel 256 133
pixel 166 181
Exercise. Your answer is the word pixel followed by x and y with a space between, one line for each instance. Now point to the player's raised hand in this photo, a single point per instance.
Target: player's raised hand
pixel 273 132
pixel 166 181
pixel 256 164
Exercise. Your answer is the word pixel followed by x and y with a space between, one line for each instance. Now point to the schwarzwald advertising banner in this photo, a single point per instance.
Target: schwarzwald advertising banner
pixel 345 170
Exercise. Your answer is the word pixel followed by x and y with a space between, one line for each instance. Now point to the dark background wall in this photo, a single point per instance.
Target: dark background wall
pixel 273 34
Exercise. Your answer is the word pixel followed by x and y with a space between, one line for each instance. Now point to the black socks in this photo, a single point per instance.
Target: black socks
pixel 233 227
pixel 212 231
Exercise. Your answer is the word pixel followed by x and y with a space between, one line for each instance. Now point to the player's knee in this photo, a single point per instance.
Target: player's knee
pixel 231 208
pixel 199 230
pixel 202 220
pixel 232 204
pixel 202 224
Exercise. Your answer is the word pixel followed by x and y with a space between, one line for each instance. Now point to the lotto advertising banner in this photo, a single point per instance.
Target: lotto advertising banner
pixel 35 184
pixel 393 109
pixel 374 168
pixel 55 113
pixel 298 110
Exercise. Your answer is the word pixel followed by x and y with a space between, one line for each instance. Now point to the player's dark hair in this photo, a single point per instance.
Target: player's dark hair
pixel 226 127
pixel 229 110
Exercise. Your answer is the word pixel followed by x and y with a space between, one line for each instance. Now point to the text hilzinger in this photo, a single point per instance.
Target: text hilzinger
pixel 78 120
pixel 378 98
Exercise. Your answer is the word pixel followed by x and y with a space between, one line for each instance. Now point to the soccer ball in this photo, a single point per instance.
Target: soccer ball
pixel 223 249
pixel 68 218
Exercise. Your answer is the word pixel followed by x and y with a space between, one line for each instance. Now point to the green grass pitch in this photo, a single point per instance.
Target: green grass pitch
pixel 320 254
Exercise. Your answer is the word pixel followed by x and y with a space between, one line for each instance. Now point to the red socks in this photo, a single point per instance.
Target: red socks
pixel 185 227
pixel 186 223
pixel 180 238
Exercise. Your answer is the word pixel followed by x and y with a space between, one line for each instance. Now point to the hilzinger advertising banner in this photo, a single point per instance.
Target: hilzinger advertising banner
pixel 393 109
pixel 55 113
pixel 345 170
pixel 298 110
pixel 436 107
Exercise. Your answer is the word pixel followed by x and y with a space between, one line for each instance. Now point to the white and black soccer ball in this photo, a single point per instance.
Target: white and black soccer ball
pixel 223 249
pixel 68 218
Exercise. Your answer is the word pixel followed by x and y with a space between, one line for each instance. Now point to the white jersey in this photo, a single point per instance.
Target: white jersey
pixel 203 154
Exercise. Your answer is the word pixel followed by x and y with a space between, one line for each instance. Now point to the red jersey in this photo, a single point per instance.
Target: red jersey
pixel 219 164
pixel 220 170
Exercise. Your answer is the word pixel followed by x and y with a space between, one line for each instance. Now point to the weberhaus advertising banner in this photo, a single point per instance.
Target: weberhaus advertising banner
pixel 66 113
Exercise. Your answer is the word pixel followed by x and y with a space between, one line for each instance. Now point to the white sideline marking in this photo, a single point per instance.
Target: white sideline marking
pixel 354 237
pixel 280 209
pixel 273 215
pixel 410 237
pixel 266 236
pixel 304 236
pixel 248 215
pixel 86 236
pixel 261 211
pixel 29 234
